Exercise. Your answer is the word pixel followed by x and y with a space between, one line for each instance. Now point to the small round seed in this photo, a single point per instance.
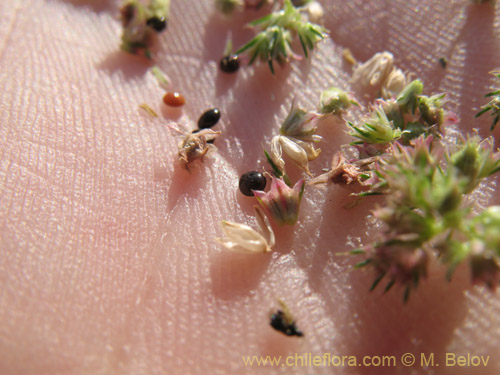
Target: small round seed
pixel 252 180
pixel 158 24
pixel 174 99
pixel 230 64
pixel 209 118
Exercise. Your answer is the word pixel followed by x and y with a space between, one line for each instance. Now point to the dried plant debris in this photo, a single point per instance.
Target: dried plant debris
pixel 150 111
pixel 379 75
pixel 194 146
pixel 348 56
pixel 161 77
pixel 243 239
pixel 283 321
pixel 141 22
pixel 425 213
pixel 277 30
pixel 342 172
pixel 493 106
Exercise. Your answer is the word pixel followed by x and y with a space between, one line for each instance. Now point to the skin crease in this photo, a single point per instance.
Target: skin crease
pixel 108 263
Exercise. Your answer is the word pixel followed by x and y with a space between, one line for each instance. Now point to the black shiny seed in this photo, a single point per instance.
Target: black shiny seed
pixel 443 62
pixel 209 118
pixel 159 24
pixel 278 322
pixel 229 64
pixel 208 140
pixel 251 181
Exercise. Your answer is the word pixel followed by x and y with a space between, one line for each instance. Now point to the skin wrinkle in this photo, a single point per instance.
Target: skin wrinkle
pixel 14 11
pixel 76 312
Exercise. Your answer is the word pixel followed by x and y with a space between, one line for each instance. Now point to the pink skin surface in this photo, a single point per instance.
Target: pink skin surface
pixel 108 263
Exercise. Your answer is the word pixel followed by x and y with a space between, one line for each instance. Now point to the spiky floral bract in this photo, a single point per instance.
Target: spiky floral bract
pixel 274 41
pixel 404 118
pixel 376 129
pixel 493 106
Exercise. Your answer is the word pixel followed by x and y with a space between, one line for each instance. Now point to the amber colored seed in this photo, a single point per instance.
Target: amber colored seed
pixel 174 99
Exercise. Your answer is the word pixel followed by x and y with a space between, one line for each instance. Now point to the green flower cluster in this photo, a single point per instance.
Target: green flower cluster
pixel 405 118
pixel 274 40
pixel 425 214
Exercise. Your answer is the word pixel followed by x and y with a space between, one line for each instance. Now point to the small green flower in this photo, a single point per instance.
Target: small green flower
pixel 335 101
pixel 431 110
pixel 424 212
pixel 274 43
pixel 493 106
pixel 417 114
pixel 274 40
pixel 309 35
pixel 483 247
pixel 475 160
pixel 376 129
pixel 408 98
pixel 301 124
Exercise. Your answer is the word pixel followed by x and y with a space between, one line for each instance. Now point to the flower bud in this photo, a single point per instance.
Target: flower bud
pixel 376 129
pixel 408 98
pixel 281 202
pixel 335 101
pixel 243 239
pixel 301 125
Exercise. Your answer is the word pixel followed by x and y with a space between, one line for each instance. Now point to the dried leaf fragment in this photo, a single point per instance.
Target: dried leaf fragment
pixel 146 108
pixel 194 146
pixel 244 239
pixel 342 172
